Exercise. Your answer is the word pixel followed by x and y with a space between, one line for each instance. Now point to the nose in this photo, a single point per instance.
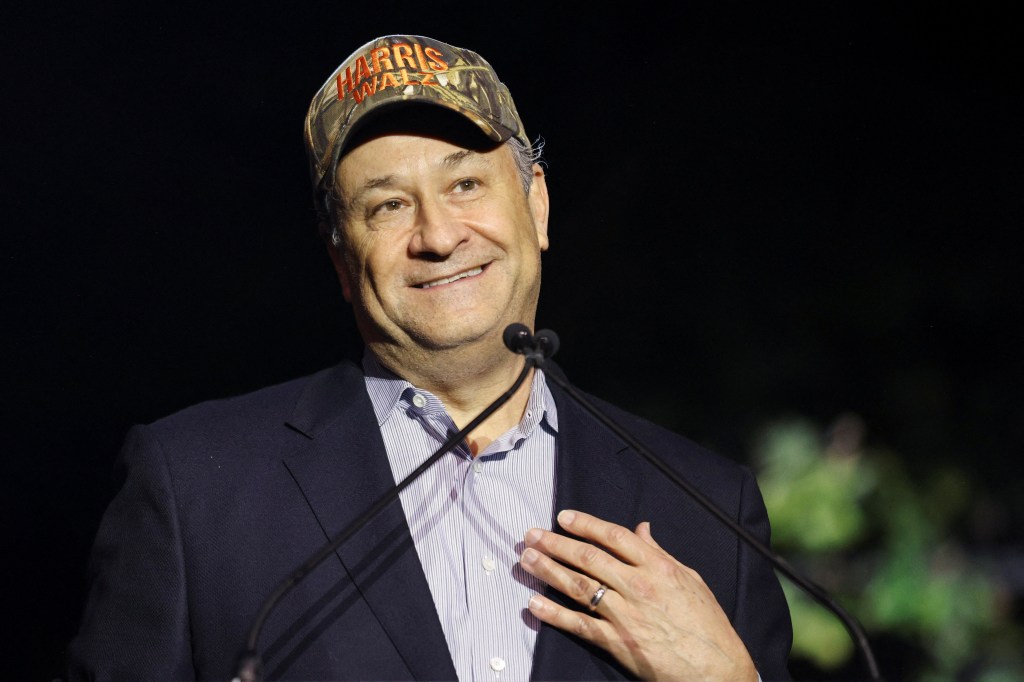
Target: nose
pixel 438 231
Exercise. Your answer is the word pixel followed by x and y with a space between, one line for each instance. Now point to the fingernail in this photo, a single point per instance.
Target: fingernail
pixel 535 604
pixel 528 556
pixel 566 517
pixel 533 535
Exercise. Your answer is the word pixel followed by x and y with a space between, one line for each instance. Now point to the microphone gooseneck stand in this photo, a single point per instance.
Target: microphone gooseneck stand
pixel 250 663
pixel 519 340
pixel 537 349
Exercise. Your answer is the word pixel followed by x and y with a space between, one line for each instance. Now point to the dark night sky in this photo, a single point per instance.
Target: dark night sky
pixel 756 212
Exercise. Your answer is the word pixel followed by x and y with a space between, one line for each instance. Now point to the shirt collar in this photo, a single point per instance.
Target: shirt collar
pixel 385 389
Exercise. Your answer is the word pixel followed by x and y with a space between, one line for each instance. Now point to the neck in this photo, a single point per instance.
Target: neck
pixel 467 379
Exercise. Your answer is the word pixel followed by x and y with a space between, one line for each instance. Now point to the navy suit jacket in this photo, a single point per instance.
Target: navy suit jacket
pixel 218 503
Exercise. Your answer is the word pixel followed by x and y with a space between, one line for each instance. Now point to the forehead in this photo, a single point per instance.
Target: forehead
pixel 402 155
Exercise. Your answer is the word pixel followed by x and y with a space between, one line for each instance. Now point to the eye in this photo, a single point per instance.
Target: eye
pixel 466 185
pixel 388 206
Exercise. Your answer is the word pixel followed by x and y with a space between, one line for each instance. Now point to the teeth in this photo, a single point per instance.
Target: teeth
pixel 447 280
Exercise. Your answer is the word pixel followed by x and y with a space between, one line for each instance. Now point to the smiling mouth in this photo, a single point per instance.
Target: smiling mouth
pixel 454 278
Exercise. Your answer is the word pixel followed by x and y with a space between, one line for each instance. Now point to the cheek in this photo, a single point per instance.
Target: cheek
pixel 373 262
pixel 507 228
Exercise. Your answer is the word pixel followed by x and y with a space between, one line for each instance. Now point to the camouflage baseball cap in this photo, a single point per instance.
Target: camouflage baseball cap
pixel 404 68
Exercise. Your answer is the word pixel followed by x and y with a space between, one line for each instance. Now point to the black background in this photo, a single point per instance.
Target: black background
pixel 758 211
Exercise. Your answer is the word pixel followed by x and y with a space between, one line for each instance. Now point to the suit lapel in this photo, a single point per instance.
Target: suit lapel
pixel 344 472
pixel 593 476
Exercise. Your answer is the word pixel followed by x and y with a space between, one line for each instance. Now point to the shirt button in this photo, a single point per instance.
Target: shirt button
pixel 497 664
pixel 419 401
pixel 489 564
pixel 477 466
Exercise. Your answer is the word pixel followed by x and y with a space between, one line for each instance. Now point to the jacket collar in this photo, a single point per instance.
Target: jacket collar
pixel 343 472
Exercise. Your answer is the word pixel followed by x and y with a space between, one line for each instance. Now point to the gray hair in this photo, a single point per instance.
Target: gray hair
pixel 332 205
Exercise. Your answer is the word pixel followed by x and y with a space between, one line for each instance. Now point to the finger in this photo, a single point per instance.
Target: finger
pixel 585 626
pixel 619 540
pixel 643 531
pixel 593 562
pixel 573 584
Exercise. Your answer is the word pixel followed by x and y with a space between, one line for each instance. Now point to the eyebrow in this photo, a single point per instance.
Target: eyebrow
pixel 455 158
pixel 450 161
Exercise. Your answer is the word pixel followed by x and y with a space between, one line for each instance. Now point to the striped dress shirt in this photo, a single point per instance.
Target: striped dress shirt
pixel 467 517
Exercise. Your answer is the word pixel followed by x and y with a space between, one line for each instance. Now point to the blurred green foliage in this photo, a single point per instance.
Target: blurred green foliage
pixel 886 543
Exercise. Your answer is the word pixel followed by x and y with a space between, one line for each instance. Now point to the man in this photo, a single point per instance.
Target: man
pixel 541 547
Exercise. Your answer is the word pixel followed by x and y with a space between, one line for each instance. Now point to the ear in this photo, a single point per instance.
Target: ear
pixel 539 205
pixel 336 250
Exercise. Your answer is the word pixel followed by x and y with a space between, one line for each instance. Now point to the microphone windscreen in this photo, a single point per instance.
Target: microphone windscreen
pixel 517 337
pixel 547 342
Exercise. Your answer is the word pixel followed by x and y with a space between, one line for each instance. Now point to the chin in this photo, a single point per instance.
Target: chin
pixel 453 336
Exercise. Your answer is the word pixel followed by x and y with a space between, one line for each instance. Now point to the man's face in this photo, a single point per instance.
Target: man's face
pixel 441 245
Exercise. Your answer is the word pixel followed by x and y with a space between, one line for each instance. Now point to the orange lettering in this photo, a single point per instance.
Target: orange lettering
pixel 403 56
pixel 388 80
pixel 368 88
pixel 345 84
pixel 439 64
pixel 362 69
pixel 420 59
pixel 381 55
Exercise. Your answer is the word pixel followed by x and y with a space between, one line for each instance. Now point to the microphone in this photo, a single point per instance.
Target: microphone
pixel 517 337
pixel 538 348
pixel 249 662
pixel 519 340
